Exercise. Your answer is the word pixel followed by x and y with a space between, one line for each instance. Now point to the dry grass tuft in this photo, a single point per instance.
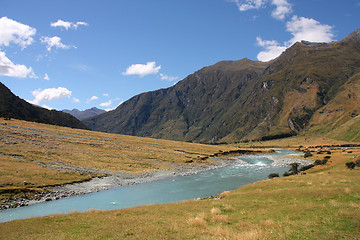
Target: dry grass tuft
pixel 197 222
pixel 221 218
pixel 347 190
pixel 253 234
pixel 228 207
pixel 215 211
pixel 225 194
pixel 269 223
pixel 334 203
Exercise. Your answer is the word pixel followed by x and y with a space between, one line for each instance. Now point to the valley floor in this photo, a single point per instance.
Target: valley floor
pixel 323 204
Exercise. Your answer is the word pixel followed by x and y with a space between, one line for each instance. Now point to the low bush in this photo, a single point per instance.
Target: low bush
pixel 320 162
pixel 350 165
pixel 307 167
pixel 307 154
pixel 273 175
pixel 286 174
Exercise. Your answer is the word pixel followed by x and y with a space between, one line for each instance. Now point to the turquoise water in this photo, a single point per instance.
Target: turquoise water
pixel 245 170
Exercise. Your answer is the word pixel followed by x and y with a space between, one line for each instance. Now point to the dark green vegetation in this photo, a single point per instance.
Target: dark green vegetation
pixel 81 115
pixel 12 106
pixel 311 88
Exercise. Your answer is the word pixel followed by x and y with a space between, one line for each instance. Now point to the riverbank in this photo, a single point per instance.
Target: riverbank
pixel 116 179
pixel 111 180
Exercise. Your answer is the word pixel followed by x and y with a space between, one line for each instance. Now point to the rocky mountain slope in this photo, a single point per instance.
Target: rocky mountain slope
pixel 81 115
pixel 310 88
pixel 15 107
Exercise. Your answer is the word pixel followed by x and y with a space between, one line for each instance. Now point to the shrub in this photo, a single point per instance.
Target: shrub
pixel 307 154
pixel 320 162
pixel 307 167
pixel 350 165
pixel 286 174
pixel 294 169
pixel 273 175
pixel 357 163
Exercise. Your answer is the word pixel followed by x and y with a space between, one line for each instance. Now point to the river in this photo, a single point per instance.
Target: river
pixel 245 170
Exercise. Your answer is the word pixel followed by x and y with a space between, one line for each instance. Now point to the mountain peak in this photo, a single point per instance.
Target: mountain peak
pixel 354 36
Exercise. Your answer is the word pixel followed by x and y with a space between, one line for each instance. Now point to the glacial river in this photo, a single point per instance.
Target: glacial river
pixel 245 170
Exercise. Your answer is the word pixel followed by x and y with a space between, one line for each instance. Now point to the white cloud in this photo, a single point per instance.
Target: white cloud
pixel 283 8
pixel 68 25
pixel 106 104
pixel 8 68
pixel 249 4
pixel 49 94
pixel 309 29
pixel 105 94
pixel 76 100
pixel 301 28
pixel 54 42
pixel 94 98
pixel 272 49
pixel 15 32
pixel 46 77
pixel 19 34
pixel 142 69
pixel 46 106
pixel 168 78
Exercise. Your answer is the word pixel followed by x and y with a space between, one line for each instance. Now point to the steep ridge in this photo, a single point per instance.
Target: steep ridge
pixel 243 100
pixel 15 107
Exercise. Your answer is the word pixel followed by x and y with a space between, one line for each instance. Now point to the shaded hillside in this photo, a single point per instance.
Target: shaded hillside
pixel 81 115
pixel 244 100
pixel 15 107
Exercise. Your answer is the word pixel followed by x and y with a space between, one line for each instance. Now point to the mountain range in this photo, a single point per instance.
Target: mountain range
pixel 311 88
pixel 81 115
pixel 12 106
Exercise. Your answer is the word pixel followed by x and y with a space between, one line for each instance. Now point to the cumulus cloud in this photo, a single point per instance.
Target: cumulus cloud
pixel 168 78
pixel 272 49
pixel 309 29
pixel 301 28
pixel 245 5
pixel 12 32
pixel 142 69
pixel 49 94
pixel 54 42
pixel 106 104
pixel 46 77
pixel 68 25
pixel 93 98
pixel 15 32
pixel 283 8
pixel 76 100
pixel 9 69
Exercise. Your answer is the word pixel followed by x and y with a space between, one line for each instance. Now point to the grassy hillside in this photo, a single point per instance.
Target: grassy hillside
pixel 323 204
pixel 12 106
pixel 34 156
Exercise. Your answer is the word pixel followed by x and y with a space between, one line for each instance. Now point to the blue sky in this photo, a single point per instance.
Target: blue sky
pixel 85 53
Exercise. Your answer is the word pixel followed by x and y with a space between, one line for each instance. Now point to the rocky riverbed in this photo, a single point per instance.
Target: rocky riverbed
pixel 115 179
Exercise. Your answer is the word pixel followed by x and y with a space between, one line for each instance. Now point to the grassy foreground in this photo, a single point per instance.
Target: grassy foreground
pixel 323 204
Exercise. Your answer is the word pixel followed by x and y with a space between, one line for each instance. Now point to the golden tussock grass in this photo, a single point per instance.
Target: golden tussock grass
pixel 225 194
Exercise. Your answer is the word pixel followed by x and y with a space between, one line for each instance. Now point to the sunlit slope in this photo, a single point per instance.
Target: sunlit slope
pixel 43 154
